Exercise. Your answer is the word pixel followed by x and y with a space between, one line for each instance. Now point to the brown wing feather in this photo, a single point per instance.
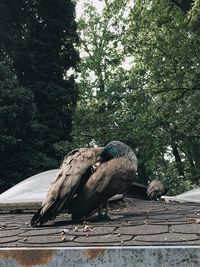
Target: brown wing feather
pixel 112 177
pixel 73 173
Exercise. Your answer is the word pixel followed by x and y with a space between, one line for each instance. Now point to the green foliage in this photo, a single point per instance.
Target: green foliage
pixel 46 35
pixel 17 109
pixel 38 40
pixel 100 74
pixel 169 52
pixel 194 16
pixel 153 106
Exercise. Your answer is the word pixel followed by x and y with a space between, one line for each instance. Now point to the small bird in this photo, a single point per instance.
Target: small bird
pixel 156 189
pixel 87 178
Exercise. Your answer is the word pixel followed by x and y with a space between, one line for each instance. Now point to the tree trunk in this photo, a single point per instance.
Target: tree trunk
pixel 196 159
pixel 184 5
pixel 179 163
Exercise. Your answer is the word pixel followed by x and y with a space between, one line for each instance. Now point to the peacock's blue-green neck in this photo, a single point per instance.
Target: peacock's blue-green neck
pixel 116 149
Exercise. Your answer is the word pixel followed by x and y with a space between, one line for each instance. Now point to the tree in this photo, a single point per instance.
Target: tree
pixel 40 40
pixel 101 73
pixel 153 106
pixel 166 49
pixel 46 33
pixel 18 127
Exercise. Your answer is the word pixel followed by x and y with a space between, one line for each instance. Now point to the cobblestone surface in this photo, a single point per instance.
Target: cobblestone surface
pixel 133 222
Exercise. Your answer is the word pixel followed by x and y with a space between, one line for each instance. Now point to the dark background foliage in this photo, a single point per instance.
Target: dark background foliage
pixel 38 98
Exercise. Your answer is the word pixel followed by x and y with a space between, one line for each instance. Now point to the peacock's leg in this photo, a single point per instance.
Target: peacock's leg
pixel 107 209
pixel 100 212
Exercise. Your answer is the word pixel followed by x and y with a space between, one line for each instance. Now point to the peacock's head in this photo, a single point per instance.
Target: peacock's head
pixel 114 149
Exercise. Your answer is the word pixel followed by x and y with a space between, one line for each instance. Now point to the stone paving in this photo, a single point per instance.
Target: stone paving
pixel 133 223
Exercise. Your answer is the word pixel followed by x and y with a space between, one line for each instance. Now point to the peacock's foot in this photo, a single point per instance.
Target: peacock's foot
pixel 98 217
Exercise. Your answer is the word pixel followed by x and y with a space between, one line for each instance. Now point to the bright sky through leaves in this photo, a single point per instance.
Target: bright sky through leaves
pixel 99 5
pixel 80 6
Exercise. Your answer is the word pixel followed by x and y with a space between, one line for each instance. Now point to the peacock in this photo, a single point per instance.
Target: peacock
pixel 87 178
pixel 156 189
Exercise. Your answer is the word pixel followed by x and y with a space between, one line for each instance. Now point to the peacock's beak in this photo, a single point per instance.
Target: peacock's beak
pixel 95 166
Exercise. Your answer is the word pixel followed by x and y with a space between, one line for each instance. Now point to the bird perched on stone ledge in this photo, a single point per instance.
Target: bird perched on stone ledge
pixel 87 178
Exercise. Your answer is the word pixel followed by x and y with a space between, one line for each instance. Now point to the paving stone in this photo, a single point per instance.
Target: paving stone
pixel 8 240
pixel 135 222
pixel 143 229
pixel 137 219
pixel 9 233
pixel 180 221
pixel 111 238
pixel 167 237
pixel 188 210
pixel 164 216
pixel 40 232
pixel 47 239
pixel 193 215
pixel 9 244
pixel 8 228
pixel 189 228
pixel 83 230
pixel 131 223
pixel 45 245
